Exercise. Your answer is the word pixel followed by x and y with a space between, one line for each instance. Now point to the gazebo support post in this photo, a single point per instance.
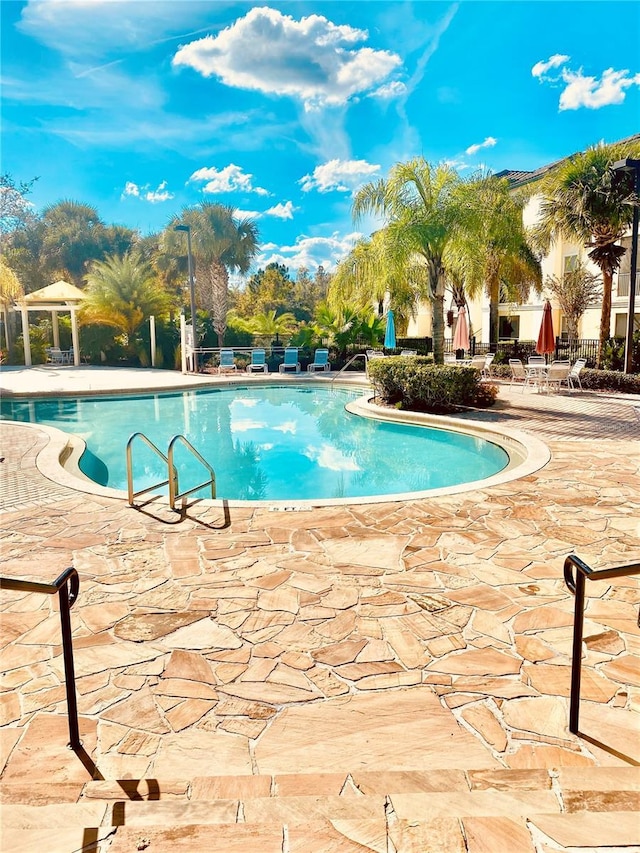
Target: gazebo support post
pixel 25 336
pixel 75 338
pixel 56 329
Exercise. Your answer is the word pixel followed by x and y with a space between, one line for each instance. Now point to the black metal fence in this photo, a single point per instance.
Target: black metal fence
pixel 564 349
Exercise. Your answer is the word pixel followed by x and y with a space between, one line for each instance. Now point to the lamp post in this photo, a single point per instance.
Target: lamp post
pixel 192 294
pixel 633 166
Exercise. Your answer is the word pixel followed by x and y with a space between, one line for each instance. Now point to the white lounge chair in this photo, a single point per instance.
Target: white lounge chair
pixel 258 362
pixel 409 352
pixel 290 360
pixel 226 360
pixel 320 361
pixel 574 373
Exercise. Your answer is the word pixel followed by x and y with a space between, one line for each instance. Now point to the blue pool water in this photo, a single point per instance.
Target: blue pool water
pixel 264 443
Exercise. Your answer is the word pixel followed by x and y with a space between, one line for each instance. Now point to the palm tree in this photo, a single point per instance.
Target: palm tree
pixel 418 204
pixel 264 325
pixel 73 235
pixel 490 248
pixel 10 291
pixel 123 293
pixel 220 242
pixel 583 201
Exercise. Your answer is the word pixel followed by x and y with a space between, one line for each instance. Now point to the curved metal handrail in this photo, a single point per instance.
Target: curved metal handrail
pixel 344 367
pixel 576 585
pixel 174 489
pixel 67 585
pixel 159 453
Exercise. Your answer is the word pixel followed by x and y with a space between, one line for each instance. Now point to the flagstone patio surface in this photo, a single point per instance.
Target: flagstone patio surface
pixel 350 642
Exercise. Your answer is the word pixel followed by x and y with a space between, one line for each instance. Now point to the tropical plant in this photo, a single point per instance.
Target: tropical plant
pixel 10 291
pixel 220 242
pixel 123 293
pixel 582 199
pixel 418 204
pixel 574 291
pixel 264 325
pixel 73 236
pixel 490 249
pixel 337 328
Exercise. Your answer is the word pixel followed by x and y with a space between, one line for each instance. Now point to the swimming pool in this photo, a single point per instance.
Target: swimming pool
pixel 265 443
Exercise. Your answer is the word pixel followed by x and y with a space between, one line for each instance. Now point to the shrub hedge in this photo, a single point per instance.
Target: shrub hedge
pixel 416 383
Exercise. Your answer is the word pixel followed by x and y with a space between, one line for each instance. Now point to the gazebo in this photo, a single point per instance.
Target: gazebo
pixel 56 297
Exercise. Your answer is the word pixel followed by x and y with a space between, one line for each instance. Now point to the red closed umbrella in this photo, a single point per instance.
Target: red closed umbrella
pixel 546 338
pixel 461 334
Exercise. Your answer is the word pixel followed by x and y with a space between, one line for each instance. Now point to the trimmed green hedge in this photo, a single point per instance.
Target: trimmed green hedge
pixel 416 383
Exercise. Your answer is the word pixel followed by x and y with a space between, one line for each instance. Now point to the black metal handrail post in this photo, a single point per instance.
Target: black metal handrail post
pixel 67 585
pixel 576 586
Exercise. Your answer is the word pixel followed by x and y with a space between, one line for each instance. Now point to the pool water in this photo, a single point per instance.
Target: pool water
pixel 264 443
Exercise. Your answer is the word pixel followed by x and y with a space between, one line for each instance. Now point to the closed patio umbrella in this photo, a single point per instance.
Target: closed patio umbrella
pixel 390 334
pixel 461 334
pixel 546 339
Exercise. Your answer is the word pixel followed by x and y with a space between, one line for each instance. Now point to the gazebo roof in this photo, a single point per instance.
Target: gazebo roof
pixel 59 292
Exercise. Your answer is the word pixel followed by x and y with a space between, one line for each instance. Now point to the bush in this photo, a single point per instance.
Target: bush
pixel 416 383
pixel 610 380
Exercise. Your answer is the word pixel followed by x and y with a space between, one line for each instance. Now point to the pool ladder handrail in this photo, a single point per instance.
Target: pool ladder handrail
pixel 172 472
pixel 351 360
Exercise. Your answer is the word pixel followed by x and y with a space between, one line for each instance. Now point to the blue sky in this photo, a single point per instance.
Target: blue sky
pixel 282 110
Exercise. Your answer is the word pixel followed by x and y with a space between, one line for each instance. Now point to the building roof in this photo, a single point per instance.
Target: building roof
pixel 518 178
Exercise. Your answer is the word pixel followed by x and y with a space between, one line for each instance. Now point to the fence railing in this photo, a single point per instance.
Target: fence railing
pixel 67 585
pixel 576 585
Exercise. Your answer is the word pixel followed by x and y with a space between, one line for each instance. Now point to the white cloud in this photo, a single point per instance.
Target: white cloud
pixel 282 211
pixel 594 93
pixel 581 90
pixel 310 252
pixel 227 180
pixel 144 192
pixel 246 424
pixel 287 427
pixel 388 91
pixel 331 458
pixel 540 68
pixel 310 59
pixel 340 175
pixel 247 214
pixel 489 142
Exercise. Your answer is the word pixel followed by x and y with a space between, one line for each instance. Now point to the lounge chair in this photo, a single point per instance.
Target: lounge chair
pixel 409 352
pixel 574 373
pixel 290 360
pixel 320 361
pixel 226 360
pixel 258 362
pixel 374 353
pixel 488 360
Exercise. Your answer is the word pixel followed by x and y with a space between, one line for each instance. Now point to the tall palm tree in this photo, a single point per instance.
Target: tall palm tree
pixel 265 324
pixel 583 201
pixel 490 249
pixel 73 235
pixel 123 293
pixel 220 242
pixel 418 205
pixel 10 291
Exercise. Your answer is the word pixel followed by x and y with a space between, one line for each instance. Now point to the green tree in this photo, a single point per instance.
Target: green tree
pixel 575 291
pixel 15 209
pixel 265 325
pixel 490 249
pixel 10 291
pixel 220 242
pixel 418 204
pixel 582 199
pixel 73 236
pixel 123 293
pixel 270 289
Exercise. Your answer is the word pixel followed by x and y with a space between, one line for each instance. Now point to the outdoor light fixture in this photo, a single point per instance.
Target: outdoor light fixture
pixel 631 166
pixel 192 294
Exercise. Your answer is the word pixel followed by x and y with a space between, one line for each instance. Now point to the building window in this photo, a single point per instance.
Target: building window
pixel 570 263
pixel 564 328
pixel 621 325
pixel 509 327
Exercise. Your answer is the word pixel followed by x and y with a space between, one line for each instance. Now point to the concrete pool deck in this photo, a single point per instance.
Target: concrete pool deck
pixel 388 677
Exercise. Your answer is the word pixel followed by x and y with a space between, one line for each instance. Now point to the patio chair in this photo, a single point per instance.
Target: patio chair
pixel 519 373
pixel 574 373
pixel 374 353
pixel 56 356
pixel 478 361
pixel 290 360
pixel 488 360
pixel 320 361
pixel 409 352
pixel 258 362
pixel 226 360
pixel 556 374
pixel 449 358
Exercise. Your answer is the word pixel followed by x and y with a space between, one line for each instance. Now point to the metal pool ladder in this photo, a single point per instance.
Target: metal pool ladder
pixel 172 472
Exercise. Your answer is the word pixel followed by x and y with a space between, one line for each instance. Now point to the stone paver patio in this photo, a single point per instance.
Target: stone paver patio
pixel 389 676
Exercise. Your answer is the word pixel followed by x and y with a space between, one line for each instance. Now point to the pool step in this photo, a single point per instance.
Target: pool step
pixel 391 812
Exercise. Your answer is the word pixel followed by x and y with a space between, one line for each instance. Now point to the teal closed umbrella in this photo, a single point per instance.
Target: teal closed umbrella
pixel 390 334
